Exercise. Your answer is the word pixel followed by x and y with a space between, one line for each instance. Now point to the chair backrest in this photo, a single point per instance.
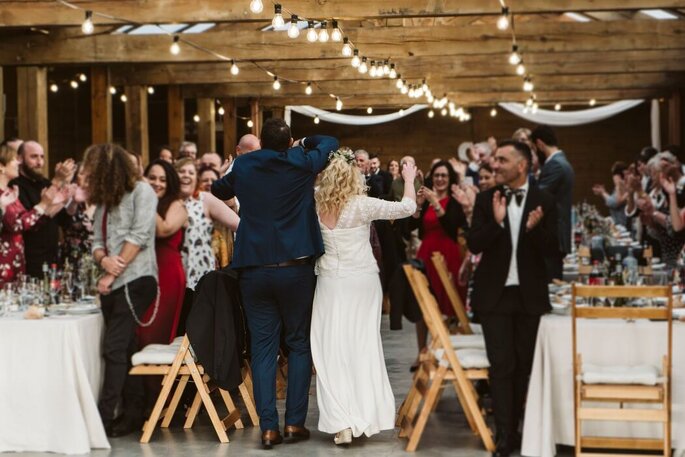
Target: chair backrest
pixel 664 313
pixel 441 267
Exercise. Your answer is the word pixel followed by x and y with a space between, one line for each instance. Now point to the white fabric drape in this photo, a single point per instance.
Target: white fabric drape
pixel 656 125
pixel 571 118
pixel 348 119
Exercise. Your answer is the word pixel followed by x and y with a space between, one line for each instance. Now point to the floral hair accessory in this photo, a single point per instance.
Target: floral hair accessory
pixel 343 153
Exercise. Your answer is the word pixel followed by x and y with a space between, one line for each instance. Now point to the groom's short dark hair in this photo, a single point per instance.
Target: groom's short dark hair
pixel 276 135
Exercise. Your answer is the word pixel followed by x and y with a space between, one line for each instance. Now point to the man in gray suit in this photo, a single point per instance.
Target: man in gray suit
pixel 556 177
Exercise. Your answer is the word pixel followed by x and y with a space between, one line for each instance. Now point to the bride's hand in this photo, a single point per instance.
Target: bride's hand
pixel 409 172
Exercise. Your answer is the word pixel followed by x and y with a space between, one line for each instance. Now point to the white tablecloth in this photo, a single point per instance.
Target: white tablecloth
pixel 50 375
pixel 549 411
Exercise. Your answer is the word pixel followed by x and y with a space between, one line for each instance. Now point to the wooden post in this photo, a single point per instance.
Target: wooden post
pixel 32 106
pixel 675 120
pixel 100 105
pixel 137 139
pixel 230 126
pixel 256 116
pixel 278 113
pixel 175 117
pixel 206 128
pixel 2 105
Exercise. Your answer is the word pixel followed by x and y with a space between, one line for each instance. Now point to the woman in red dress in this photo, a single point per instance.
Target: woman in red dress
pixel 171 217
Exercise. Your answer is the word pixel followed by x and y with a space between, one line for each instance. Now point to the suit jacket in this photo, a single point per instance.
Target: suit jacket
pixel 556 177
pixel 488 237
pixel 278 219
pixel 376 186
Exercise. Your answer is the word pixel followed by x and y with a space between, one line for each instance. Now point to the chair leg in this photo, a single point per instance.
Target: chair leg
pixel 230 407
pixel 194 409
pixel 203 392
pixel 464 407
pixel 429 401
pixel 175 400
pixel 249 404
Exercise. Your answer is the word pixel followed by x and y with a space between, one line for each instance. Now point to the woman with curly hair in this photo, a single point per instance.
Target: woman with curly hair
pixel 353 390
pixel 124 246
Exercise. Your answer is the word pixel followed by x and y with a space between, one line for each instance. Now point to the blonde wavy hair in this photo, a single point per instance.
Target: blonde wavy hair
pixel 338 183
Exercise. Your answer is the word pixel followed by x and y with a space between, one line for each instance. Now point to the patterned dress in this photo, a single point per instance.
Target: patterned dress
pixel 198 257
pixel 16 220
pixel 78 236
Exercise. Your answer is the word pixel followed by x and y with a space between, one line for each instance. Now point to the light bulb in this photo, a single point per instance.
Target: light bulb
pixel 401 111
pixel 418 92
pixel 411 92
pixel 124 98
pixel 175 49
pixel 529 102
pixel 528 85
pixel 386 68
pixel 256 6
pixel 234 68
pixel 356 61
pixel 534 108
pixel 430 98
pixel 316 119
pixel 369 110
pixel 424 86
pixel 54 87
pixel 393 72
pixel 150 90
pixel 82 77
pixel 363 68
pixel 399 84
pixel 503 21
pixel 514 57
pixel 436 103
pixel 557 107
pixel 277 22
pixel 372 69
pixel 493 112
pixel 336 34
pixel 112 90
pixel 87 26
pixel 196 118
pixel 338 104
pixel 323 32
pixel 73 84
pixel 404 89
pixel 221 111
pixel 431 114
pixel 308 89
pixel 250 124
pixel 347 47
pixel 277 83
pixel 312 36
pixel 293 30
pixel 520 69
pixel 443 111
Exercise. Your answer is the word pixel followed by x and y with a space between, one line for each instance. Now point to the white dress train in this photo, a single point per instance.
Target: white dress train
pixel 352 385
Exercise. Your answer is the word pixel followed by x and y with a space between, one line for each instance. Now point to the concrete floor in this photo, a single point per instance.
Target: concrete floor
pixel 447 432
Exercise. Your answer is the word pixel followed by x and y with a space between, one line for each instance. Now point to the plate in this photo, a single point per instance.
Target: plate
pixel 83 308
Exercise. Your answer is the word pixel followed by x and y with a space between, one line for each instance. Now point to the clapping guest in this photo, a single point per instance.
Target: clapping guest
pixel 78 230
pixel 123 246
pixel 222 237
pixel 616 201
pixel 170 219
pixel 204 210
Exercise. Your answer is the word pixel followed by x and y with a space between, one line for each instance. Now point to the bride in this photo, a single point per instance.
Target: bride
pixel 353 391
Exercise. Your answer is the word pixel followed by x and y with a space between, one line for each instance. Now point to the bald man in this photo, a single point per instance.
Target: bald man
pixel 397 188
pixel 247 143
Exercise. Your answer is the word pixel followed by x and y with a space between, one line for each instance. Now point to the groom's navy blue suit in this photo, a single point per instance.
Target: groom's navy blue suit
pixel 278 225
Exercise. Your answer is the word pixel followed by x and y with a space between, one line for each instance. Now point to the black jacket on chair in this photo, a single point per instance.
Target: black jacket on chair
pixel 494 241
pixel 216 328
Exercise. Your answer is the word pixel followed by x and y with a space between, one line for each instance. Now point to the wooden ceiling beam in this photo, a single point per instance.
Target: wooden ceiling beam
pixel 376 42
pixel 49 12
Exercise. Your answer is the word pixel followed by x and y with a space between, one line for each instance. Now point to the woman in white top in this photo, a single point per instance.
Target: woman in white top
pixel 353 391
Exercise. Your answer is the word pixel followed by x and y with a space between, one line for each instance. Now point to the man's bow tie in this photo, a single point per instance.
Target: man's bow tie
pixel 517 193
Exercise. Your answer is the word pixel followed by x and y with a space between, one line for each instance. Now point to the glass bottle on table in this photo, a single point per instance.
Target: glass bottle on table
pixel 630 266
pixel 595 275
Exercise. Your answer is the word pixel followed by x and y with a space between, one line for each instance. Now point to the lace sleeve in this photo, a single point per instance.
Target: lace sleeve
pixel 374 209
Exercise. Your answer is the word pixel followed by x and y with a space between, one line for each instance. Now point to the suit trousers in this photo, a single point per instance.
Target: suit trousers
pixel 119 345
pixel 275 297
pixel 510 335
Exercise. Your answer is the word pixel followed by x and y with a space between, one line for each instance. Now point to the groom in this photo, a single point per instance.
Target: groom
pixel 276 244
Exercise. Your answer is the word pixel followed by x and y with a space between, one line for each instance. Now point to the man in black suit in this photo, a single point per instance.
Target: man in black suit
pixel 556 177
pixel 514 227
pixel 376 170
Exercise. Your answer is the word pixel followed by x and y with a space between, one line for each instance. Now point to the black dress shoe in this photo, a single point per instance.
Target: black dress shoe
pixel 270 438
pixel 295 433
pixel 124 427
pixel 503 446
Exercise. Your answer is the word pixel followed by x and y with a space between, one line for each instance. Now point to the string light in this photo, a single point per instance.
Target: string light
pixel 393 72
pixel 520 69
pixel 363 68
pixel 356 61
pixel 493 112
pixel 312 36
pixel 503 21
pixel 250 123
pixel 293 30
pixel 87 27
pixel 369 110
pixel 593 102
pixel 124 99
pixel 399 82
pixel 277 83
pixel 530 101
pixel 54 87
pixel 386 68
pixel 73 84
pixel 308 89
pixel 514 57
pixel 431 114
pixel 175 49
pixel 528 85
pixel 323 33
pixel 256 6
pixel 404 89
pixel 338 104
pixel 443 111
pixel 372 69
pixel 336 34
pixel 82 77
pixel 534 108
pixel 277 22
pixel 112 90
pixel 557 107
pixel 221 111
pixel 150 90
pixel 316 119
pixel 424 86
pixel 347 47
pixel 401 111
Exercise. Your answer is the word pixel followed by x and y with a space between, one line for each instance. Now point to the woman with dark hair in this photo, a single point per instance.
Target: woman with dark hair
pixel 171 217
pixel 78 231
pixel 616 201
pixel 207 175
pixel 123 245
pixel 394 169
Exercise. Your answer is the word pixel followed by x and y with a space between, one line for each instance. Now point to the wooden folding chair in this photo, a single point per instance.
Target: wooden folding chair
pixel 176 362
pixel 441 364
pixel 448 284
pixel 625 389
pixel 584 261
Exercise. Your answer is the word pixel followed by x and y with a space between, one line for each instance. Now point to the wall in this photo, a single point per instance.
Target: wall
pixel 592 148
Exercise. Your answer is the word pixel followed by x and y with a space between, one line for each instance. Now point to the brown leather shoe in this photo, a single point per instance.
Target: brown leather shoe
pixel 295 433
pixel 270 438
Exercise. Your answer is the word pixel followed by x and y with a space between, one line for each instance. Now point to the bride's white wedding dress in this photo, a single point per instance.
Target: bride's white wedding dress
pixel 352 385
